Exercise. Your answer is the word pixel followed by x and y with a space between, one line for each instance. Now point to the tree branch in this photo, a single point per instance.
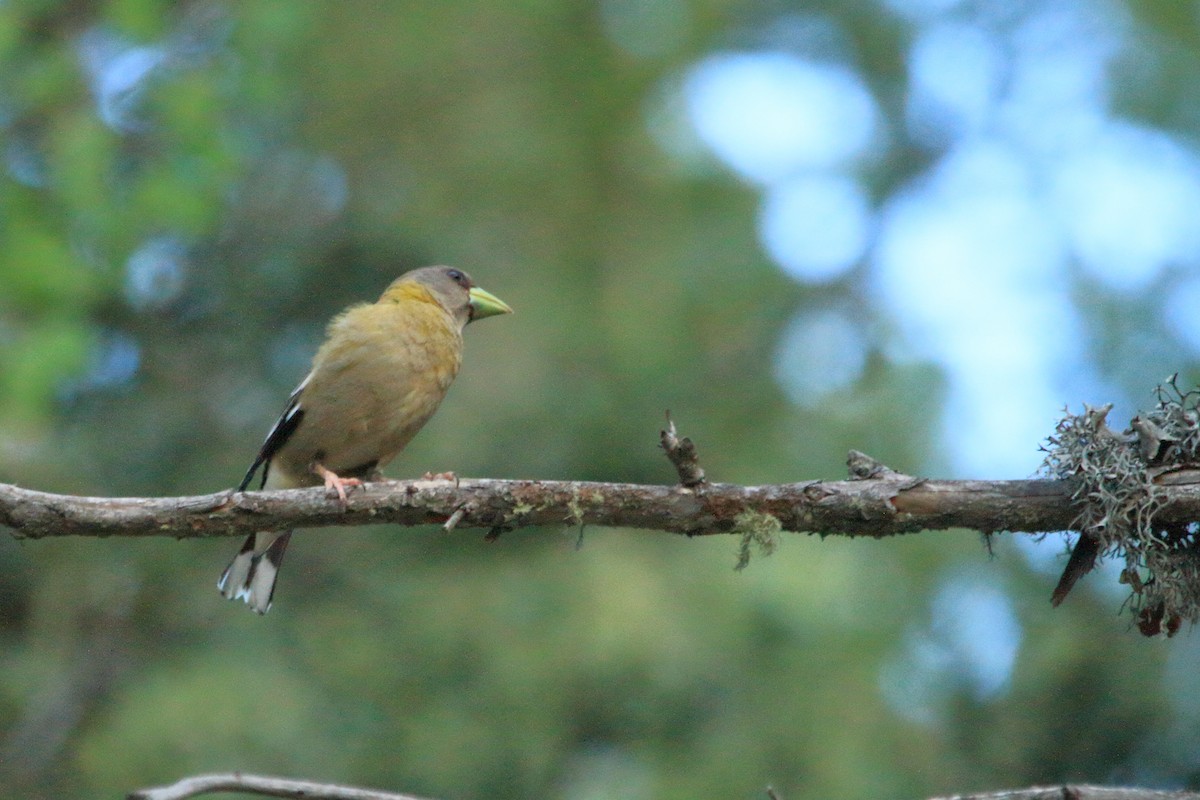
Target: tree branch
pixel 261 784
pixel 885 505
pixel 1078 792
pixel 285 787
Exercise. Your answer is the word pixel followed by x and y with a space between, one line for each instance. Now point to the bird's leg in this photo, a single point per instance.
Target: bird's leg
pixel 334 481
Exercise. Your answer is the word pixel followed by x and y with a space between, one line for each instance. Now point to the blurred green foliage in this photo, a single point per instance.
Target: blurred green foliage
pixel 171 250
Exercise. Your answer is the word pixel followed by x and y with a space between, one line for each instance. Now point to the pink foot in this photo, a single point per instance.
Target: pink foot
pixel 335 482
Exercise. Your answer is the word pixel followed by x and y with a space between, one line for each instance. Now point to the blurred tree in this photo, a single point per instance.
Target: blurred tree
pixel 190 190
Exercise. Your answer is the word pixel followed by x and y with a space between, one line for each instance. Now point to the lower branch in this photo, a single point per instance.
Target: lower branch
pixel 262 785
pixel 284 787
pixel 1078 792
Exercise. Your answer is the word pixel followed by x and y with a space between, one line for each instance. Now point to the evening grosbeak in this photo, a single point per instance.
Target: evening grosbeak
pixel 379 376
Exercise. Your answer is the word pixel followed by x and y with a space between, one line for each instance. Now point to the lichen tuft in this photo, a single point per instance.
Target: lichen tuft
pixel 759 531
pixel 1111 475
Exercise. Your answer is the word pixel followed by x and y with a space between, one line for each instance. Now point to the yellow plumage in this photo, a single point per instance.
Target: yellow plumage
pixel 382 372
pixel 380 375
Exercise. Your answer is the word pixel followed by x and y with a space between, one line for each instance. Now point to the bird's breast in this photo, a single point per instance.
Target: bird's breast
pixel 377 380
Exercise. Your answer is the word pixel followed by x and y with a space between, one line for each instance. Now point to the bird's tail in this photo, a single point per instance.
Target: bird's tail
pixel 252 573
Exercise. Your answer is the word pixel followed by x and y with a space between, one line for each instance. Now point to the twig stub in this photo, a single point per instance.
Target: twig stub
pixel 863 467
pixel 682 454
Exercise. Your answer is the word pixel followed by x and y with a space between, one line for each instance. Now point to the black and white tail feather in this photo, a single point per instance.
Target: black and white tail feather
pixel 251 575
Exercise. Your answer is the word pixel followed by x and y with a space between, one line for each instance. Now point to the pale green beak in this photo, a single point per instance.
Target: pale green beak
pixel 486 304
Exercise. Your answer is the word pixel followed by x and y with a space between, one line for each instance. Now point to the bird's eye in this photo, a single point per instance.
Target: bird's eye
pixel 458 278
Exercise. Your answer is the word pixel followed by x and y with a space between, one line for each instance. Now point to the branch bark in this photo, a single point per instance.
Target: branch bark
pixel 262 785
pixel 884 505
pixel 1078 792
pixel 286 787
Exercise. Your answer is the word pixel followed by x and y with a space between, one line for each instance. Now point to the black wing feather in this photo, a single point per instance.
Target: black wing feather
pixel 283 429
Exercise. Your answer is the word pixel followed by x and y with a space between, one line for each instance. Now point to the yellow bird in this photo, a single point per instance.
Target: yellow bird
pixel 381 373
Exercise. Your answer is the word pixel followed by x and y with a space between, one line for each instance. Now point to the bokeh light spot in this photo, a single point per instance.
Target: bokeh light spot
pixel 1128 201
pixel 768 115
pixel 118 74
pixel 819 353
pixel 1183 312
pixel 815 227
pixel 955 72
pixel 155 273
pixel 971 643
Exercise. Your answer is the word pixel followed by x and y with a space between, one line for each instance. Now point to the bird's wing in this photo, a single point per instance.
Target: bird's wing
pixel 283 429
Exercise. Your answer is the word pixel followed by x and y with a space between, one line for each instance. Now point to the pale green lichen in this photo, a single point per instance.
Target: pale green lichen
pixel 759 531
pixel 1112 479
pixel 576 508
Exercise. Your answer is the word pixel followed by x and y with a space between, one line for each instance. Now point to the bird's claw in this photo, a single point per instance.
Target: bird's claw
pixel 339 486
pixel 336 482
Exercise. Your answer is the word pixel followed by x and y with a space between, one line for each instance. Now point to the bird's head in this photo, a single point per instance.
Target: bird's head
pixel 452 289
